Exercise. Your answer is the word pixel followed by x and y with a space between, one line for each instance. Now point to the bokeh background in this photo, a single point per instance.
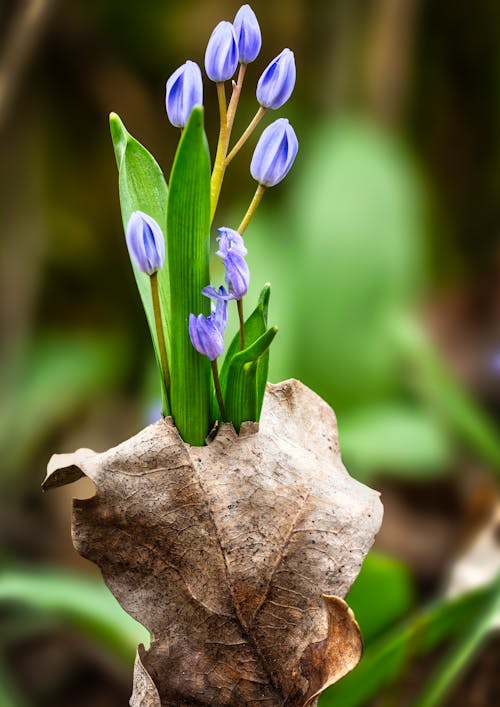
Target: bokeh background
pixel 382 249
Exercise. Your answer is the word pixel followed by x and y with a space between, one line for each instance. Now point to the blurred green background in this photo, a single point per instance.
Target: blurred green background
pixel 383 253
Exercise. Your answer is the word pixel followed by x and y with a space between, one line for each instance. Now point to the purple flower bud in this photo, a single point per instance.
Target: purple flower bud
pixel 207 333
pixel 237 274
pixel 275 153
pixel 145 242
pixel 184 92
pixel 276 83
pixel 221 56
pixel 230 239
pixel 247 30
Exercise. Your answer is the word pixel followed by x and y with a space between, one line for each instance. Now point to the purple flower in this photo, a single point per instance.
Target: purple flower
pixel 145 242
pixel 221 56
pixel 220 294
pixel 184 92
pixel 247 30
pixel 230 239
pixel 237 274
pixel 207 333
pixel 276 83
pixel 275 153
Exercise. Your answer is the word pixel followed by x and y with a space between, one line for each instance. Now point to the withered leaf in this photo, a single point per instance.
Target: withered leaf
pixel 234 555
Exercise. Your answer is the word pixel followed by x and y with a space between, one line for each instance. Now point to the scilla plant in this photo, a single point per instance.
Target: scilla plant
pixel 168 234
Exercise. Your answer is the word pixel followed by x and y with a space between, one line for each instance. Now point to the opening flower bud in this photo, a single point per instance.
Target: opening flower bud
pixel 145 242
pixel 277 82
pixel 229 239
pixel 221 56
pixel 237 274
pixel 248 37
pixel 275 153
pixel 184 92
pixel 207 333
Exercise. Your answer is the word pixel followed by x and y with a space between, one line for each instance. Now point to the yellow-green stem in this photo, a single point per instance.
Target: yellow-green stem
pixel 159 333
pixel 252 208
pixel 251 127
pixel 235 97
pixel 239 302
pixel 220 155
pixel 218 391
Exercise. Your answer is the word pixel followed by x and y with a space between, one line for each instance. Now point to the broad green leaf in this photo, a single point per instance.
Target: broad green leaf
pixel 394 437
pixel 382 594
pixel 356 220
pixel 87 605
pixel 143 188
pixel 241 395
pixel 385 658
pixel 255 326
pixel 188 226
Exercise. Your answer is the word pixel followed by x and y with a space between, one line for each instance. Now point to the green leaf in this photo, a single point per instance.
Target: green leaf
pixel 353 264
pixel 394 437
pixel 384 659
pixel 255 326
pixel 9 693
pixel 242 396
pixel 87 605
pixel 143 188
pixel 382 594
pixel 188 227
pixel 456 661
pixel 50 381
pixel 438 387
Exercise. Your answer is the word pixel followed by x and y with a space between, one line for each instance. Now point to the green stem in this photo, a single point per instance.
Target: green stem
pixel 159 333
pixel 239 302
pixel 251 127
pixel 252 208
pixel 218 391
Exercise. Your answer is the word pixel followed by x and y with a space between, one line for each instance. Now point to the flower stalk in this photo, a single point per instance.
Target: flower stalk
pixel 219 167
pixel 241 317
pixel 159 333
pixel 218 389
pixel 244 137
pixel 257 197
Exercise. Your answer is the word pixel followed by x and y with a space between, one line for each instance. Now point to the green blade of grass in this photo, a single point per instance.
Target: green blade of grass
pixel 386 659
pixel 188 227
pixel 460 656
pixel 143 188
pixel 439 388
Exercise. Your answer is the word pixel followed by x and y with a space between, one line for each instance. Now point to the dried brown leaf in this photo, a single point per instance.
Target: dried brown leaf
pixel 234 555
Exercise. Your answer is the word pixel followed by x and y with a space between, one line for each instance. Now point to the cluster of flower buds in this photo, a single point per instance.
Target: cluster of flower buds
pixel 232 251
pixel 229 45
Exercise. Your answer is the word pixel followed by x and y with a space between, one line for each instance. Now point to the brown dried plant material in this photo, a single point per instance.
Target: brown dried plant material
pixel 233 555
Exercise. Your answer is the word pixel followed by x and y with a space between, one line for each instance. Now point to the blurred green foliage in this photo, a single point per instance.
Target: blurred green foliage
pixel 385 206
